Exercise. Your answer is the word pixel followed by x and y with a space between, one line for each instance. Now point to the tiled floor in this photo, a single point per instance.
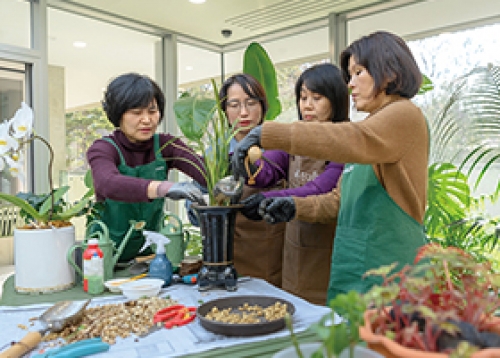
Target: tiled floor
pixel 5 271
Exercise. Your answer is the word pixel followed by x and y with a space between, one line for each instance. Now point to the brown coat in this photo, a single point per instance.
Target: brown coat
pixel 394 140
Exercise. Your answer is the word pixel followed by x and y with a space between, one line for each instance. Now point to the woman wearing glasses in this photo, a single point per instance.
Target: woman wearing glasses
pixel 321 96
pixel 258 246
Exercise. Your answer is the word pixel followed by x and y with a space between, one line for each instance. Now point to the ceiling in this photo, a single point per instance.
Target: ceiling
pixel 245 19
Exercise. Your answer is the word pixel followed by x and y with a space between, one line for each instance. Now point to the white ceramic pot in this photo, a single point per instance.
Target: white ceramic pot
pixel 40 260
pixel 309 348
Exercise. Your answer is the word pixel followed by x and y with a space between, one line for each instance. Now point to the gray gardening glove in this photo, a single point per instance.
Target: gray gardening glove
pixel 183 190
pixel 241 150
pixel 277 210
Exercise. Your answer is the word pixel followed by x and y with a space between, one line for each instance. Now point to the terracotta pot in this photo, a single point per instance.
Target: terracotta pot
pixel 390 349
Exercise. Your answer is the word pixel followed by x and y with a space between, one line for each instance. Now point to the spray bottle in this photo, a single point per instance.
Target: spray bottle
pixel 160 267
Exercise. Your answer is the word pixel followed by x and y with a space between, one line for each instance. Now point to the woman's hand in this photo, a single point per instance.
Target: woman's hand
pixel 277 210
pixel 182 190
pixel 251 206
pixel 241 150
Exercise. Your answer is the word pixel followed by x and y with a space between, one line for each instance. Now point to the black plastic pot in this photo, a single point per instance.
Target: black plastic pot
pixel 217 237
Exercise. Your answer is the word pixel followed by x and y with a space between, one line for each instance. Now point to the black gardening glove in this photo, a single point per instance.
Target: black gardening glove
pixel 277 210
pixel 241 150
pixel 251 206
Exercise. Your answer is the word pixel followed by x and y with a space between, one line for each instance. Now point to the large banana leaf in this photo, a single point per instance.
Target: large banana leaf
pixel 193 115
pixel 257 63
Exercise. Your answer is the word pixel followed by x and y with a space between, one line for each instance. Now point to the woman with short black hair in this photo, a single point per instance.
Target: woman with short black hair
pixel 130 166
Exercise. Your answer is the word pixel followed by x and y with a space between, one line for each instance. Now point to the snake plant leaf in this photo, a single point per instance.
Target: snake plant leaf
pixel 257 63
pixel 193 114
pixel 23 205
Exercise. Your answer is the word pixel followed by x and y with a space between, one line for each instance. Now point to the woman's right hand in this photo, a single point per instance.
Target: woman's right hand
pixel 251 206
pixel 277 210
pixel 183 190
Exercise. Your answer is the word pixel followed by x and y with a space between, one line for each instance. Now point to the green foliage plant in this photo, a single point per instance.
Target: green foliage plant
pixel 336 337
pixel 45 210
pixel 205 126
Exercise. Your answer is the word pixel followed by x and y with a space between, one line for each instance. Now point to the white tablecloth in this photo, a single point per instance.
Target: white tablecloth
pixel 178 341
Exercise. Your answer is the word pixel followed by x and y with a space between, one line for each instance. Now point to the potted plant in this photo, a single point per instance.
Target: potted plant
pixel 444 304
pixel 207 130
pixel 41 244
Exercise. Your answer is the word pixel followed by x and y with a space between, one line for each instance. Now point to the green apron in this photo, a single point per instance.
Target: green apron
pixel 117 214
pixel 372 230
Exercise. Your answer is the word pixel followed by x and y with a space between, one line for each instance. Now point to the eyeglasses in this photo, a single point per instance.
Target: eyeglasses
pixel 251 104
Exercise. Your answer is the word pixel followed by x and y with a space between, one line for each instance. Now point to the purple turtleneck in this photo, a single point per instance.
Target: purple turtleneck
pixel 110 184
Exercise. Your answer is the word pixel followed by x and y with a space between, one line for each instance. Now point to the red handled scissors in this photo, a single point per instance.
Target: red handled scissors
pixel 176 315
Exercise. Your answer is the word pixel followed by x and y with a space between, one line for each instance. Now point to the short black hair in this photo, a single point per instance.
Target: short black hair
pixel 129 91
pixel 250 85
pixel 388 59
pixel 326 80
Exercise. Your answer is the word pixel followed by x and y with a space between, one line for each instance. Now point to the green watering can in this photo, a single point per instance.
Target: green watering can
pixel 111 253
pixel 179 239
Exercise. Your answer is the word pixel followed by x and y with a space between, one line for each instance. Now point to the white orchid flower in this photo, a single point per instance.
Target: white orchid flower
pixel 16 165
pixel 6 141
pixel 22 122
pixel 2 164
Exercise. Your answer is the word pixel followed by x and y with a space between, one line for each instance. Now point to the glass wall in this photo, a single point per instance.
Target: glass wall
pixel 81 64
pixel 446 48
pixel 15 23
pixel 195 68
pixel 290 55
pixel 12 93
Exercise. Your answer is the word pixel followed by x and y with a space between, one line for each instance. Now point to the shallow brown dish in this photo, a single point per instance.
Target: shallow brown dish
pixel 233 329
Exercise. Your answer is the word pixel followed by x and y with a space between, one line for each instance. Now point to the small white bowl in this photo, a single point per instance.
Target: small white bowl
pixel 114 285
pixel 146 287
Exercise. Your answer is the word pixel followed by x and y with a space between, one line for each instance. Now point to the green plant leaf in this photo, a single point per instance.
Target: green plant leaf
pixel 58 194
pixel 448 198
pixel 256 62
pixel 193 115
pixel 23 205
pixel 426 85
pixel 75 210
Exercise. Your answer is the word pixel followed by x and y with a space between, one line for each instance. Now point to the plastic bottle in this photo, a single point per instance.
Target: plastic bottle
pixel 160 267
pixel 93 268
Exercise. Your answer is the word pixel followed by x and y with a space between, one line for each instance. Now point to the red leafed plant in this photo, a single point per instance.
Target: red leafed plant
pixel 444 299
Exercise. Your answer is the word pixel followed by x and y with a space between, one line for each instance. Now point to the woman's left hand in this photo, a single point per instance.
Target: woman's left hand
pixel 251 206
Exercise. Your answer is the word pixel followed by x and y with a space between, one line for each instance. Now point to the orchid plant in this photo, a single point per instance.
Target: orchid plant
pixel 46 210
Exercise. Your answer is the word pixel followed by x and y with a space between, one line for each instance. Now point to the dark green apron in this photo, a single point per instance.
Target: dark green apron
pixel 117 214
pixel 372 230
